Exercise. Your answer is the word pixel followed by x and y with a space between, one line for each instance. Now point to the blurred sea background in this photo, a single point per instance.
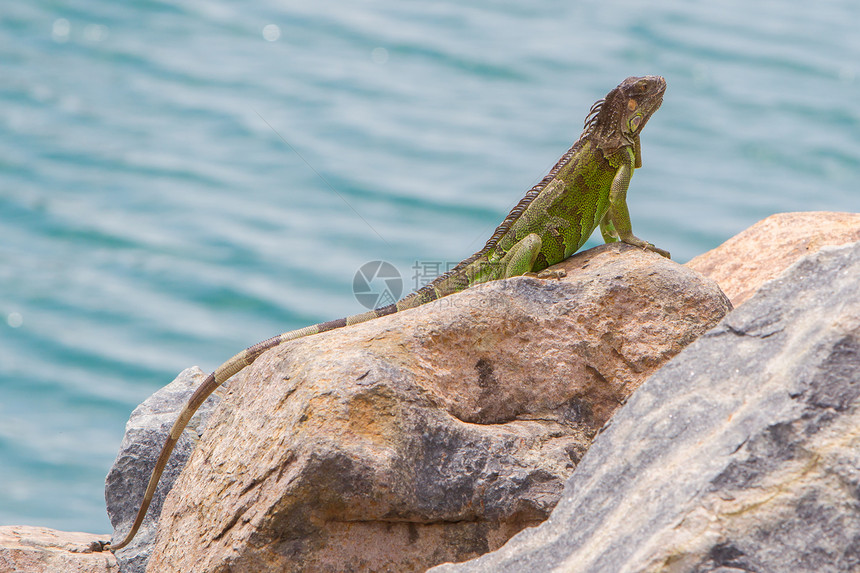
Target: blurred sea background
pixel 181 180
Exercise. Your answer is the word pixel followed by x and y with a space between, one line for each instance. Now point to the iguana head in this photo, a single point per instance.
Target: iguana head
pixel 616 119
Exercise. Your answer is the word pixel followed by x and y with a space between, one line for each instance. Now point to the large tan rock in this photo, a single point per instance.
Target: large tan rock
pixel 28 549
pixel 430 435
pixel 761 253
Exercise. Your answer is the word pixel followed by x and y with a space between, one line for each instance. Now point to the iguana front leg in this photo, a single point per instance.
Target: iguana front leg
pixel 615 224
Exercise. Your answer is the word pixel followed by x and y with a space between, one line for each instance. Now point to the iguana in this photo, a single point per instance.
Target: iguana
pixel 587 188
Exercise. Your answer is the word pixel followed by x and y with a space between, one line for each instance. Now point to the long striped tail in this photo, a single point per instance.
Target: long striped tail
pixel 225 371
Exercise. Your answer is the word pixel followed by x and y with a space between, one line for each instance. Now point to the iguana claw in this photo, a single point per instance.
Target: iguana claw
pixel 557 274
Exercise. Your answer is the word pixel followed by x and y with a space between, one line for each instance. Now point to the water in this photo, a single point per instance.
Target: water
pixel 180 181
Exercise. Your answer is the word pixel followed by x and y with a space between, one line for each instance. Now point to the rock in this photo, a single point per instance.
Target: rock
pixel 749 259
pixel 37 549
pixel 145 433
pixel 429 435
pixel 741 454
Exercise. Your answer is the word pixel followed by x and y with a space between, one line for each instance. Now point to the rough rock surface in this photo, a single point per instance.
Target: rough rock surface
pixel 741 454
pixel 429 435
pixel 28 549
pixel 749 259
pixel 145 433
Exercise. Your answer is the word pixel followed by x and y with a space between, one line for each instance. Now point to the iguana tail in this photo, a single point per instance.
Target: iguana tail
pixel 225 371
pixel 453 281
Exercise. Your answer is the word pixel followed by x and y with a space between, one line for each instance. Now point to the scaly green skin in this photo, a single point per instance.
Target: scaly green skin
pixel 587 188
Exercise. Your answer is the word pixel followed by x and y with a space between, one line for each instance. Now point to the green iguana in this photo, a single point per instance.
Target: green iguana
pixel 587 188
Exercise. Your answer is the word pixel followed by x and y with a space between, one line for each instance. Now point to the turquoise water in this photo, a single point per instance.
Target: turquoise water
pixel 178 181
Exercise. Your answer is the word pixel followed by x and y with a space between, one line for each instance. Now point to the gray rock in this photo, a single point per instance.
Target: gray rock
pixel 145 433
pixel 741 454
